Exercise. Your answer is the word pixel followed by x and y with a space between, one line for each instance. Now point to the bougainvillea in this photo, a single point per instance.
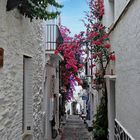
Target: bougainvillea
pixel 72 52
pixel 97 42
pixel 96 36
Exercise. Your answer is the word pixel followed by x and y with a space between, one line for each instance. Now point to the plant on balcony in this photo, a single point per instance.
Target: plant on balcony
pixel 73 60
pixel 97 41
pixel 35 9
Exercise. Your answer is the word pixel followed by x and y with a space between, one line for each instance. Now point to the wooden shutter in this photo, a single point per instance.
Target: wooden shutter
pixel 28 91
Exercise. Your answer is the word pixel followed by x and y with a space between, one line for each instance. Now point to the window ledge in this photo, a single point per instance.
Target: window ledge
pixel 55 55
pixel 113 77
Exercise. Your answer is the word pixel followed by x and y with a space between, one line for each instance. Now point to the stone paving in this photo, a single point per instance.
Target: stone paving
pixel 75 129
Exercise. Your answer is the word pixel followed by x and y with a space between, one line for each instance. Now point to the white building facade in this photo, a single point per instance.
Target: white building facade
pixel 20 76
pixel 122 19
pixel 27 73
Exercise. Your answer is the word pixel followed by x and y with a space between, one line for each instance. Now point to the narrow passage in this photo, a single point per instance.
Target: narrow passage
pixel 75 129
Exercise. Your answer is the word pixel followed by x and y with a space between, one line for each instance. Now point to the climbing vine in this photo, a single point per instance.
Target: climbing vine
pixel 97 42
pixel 35 9
pixel 72 52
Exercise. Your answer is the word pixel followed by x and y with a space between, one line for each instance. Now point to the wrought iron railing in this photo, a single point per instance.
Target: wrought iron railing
pixel 121 133
pixel 53 37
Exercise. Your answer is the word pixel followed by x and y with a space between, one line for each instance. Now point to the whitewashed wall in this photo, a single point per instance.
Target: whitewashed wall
pixel 113 10
pixel 18 37
pixel 108 18
pixel 125 42
pixel 51 108
pixel 119 7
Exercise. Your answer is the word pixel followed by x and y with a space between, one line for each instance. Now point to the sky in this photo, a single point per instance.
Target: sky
pixel 72 13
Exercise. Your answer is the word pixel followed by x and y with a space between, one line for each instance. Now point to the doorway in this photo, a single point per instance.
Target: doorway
pixel 111 108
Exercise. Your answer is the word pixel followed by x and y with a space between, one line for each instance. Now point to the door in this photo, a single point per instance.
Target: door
pixel 111 109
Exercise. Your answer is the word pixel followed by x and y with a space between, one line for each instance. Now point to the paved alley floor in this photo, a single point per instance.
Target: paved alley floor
pixel 75 129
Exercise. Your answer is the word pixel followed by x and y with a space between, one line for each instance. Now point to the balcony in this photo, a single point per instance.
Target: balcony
pixel 53 37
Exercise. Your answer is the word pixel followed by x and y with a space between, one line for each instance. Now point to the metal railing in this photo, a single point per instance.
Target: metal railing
pixel 53 37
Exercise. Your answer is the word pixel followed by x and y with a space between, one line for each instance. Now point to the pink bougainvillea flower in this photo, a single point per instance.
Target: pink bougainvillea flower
pixel 73 60
pixel 97 43
pixel 78 80
pixel 80 65
pixel 92 35
pixel 107 46
pixel 112 57
pixel 91 66
pixel 94 56
pixel 56 52
pixel 67 66
pixel 100 54
pixel 75 68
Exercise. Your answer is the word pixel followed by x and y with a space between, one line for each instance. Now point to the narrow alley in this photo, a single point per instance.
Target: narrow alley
pixel 69 69
pixel 75 129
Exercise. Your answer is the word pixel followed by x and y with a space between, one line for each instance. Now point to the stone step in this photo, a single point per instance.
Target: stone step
pixel 75 129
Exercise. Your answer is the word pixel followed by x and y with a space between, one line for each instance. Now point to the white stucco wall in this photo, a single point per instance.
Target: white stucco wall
pixel 119 7
pixel 18 37
pixel 125 42
pixel 108 18
pixel 113 10
pixel 51 66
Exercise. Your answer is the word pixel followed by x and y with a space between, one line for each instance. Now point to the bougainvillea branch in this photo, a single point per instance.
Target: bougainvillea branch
pixel 72 52
pixel 98 44
pixel 96 35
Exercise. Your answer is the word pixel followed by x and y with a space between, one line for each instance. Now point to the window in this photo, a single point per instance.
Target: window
pixel 111 83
